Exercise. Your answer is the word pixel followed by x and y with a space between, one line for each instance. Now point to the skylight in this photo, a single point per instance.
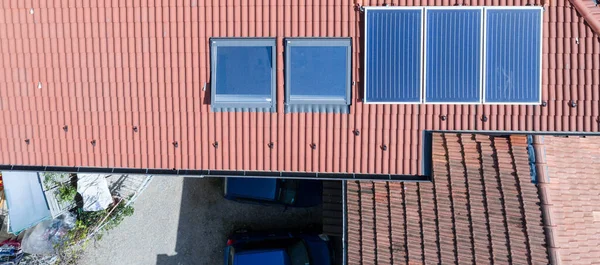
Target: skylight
pixel 317 74
pixel 243 74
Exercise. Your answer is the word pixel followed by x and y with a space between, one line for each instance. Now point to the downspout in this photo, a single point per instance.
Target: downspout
pixel 543 183
pixel 344 230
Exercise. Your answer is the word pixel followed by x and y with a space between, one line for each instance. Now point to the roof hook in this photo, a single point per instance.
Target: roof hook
pixel 573 104
pixel 359 7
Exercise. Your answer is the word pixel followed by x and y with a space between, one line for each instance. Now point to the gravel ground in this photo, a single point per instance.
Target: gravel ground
pixel 186 221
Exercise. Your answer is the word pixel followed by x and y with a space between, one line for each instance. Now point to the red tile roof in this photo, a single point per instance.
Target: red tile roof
pixel 481 208
pixel 569 176
pixel 590 11
pixel 99 69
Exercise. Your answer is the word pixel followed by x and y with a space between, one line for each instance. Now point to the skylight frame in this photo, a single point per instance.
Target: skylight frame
pixel 242 102
pixel 290 99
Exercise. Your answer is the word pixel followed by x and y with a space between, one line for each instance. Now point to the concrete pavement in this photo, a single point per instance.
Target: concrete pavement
pixel 186 221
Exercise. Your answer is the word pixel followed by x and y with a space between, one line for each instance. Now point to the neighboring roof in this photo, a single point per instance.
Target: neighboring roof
pixel 590 11
pixel 569 176
pixel 255 188
pixel 76 78
pixel 481 208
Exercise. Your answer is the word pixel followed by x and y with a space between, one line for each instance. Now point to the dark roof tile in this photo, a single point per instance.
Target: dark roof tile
pixel 478 209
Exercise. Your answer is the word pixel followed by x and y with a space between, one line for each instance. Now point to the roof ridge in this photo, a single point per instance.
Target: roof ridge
pixel 592 18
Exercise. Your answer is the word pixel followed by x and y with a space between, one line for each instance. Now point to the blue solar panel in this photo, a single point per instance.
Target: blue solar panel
pixel 453 56
pixel 513 56
pixel 393 55
pixel 244 71
pixel 319 72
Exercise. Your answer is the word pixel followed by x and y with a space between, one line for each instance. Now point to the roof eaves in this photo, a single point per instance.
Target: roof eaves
pixel 223 173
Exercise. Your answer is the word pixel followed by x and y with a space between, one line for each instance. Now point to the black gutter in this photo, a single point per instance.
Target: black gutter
pixel 222 173
pixel 496 132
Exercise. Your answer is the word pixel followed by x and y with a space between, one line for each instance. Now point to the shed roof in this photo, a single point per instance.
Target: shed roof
pixel 125 84
pixel 481 208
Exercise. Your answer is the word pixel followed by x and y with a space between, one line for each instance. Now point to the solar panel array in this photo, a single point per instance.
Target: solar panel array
pixel 453 55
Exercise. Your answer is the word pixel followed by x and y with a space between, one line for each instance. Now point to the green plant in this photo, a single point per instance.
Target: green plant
pixel 51 179
pixel 76 239
pixel 66 192
pixel 118 216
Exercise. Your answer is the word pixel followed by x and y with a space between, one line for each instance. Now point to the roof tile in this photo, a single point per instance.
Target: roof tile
pixel 148 56
pixel 480 207
pixel 570 202
pixel 590 11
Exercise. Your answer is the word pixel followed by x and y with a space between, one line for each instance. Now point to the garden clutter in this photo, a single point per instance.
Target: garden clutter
pixel 44 236
pixel 10 252
pixel 93 188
